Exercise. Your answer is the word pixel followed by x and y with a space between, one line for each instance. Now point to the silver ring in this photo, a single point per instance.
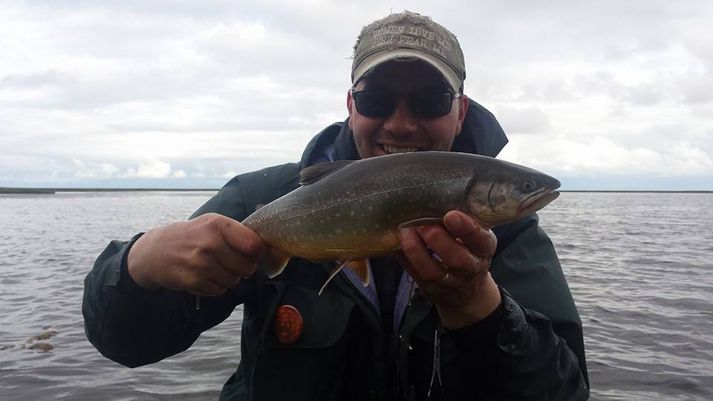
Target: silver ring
pixel 448 274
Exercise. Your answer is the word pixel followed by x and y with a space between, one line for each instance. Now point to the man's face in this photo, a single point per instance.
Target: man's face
pixel 402 130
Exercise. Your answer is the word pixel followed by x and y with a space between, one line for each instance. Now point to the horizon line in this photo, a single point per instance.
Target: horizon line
pixel 50 190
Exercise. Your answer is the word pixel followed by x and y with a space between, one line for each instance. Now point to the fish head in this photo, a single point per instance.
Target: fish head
pixel 505 192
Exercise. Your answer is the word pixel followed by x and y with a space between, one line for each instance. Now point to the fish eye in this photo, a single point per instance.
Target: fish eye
pixel 528 186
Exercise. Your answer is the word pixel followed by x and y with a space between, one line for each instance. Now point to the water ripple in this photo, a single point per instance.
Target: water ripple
pixel 639 267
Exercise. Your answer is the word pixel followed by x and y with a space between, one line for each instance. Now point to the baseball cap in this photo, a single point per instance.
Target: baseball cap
pixel 408 35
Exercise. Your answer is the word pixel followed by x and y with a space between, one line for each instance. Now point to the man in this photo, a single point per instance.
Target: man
pixel 462 312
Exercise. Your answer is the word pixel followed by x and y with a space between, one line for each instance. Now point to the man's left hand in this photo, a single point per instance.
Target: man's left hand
pixel 451 265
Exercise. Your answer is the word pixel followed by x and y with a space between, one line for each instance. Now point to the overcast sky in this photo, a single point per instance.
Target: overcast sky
pixel 601 94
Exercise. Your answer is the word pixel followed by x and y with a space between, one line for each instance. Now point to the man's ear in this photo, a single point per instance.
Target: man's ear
pixel 463 103
pixel 350 104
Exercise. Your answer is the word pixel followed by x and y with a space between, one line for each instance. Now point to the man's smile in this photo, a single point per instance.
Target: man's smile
pixel 389 149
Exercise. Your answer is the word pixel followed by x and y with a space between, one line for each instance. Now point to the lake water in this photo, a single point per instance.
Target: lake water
pixel 640 266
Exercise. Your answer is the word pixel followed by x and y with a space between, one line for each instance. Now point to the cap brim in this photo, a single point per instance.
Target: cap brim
pixel 374 60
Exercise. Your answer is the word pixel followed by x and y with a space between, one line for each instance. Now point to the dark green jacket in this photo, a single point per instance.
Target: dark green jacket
pixel 530 348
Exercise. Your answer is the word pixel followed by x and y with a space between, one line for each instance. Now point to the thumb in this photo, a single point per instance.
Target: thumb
pixel 473 234
pixel 241 238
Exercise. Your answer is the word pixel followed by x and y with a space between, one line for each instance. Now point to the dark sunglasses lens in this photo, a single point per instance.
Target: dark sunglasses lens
pixel 374 104
pixel 431 105
pixel 378 104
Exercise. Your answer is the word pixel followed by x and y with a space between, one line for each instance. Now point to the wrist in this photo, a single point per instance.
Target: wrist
pixel 483 302
pixel 134 267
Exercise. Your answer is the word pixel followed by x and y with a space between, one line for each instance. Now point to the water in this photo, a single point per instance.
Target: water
pixel 639 266
pixel 48 244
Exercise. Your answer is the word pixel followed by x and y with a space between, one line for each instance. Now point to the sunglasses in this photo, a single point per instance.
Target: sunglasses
pixel 381 104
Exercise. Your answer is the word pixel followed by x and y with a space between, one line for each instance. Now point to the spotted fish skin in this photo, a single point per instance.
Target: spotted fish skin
pixel 352 210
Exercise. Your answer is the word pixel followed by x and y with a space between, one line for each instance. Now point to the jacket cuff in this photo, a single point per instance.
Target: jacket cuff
pixel 123 282
pixel 506 326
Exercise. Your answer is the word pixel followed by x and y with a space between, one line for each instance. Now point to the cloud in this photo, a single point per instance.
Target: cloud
pixel 523 120
pixel 149 169
pixel 94 170
pixel 602 155
pixel 180 91
pixel 42 79
pixel 179 174
pixel 697 89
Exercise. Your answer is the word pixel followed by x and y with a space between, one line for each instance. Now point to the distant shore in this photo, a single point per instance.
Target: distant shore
pixel 49 191
pixel 24 191
pixel 653 191
pixel 45 191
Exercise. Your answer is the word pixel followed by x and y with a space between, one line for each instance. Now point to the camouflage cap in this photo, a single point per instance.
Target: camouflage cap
pixel 408 35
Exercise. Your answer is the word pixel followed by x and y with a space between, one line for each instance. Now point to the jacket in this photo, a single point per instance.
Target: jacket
pixel 531 347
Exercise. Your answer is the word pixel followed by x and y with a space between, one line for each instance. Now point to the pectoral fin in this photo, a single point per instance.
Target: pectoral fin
pixel 358 266
pixel 332 275
pixel 422 222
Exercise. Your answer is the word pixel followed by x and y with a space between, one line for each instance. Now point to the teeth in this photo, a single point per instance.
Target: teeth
pixel 395 149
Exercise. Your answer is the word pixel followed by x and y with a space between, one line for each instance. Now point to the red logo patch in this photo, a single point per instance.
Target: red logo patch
pixel 288 324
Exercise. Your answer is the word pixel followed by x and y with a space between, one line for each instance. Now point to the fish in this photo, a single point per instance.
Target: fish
pixel 349 211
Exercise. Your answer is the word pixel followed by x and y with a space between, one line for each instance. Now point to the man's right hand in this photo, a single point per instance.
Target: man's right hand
pixel 204 256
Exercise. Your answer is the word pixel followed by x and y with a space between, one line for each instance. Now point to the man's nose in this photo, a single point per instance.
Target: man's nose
pixel 401 121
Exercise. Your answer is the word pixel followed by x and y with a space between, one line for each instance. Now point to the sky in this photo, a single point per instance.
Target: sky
pixel 604 95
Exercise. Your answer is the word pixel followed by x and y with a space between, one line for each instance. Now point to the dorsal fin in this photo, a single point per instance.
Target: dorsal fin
pixel 314 173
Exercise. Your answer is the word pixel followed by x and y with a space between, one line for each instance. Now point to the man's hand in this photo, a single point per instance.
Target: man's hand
pixel 451 265
pixel 204 256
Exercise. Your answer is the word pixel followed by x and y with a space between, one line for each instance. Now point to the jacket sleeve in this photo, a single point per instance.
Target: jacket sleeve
pixel 516 355
pixel 531 347
pixel 135 326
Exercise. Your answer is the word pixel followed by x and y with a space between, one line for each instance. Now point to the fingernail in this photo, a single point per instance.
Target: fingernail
pixel 456 222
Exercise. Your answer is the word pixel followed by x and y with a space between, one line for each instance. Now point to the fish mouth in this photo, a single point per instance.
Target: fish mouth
pixel 538 200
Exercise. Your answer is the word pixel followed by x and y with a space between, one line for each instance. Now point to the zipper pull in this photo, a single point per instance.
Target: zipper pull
pixel 436 372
